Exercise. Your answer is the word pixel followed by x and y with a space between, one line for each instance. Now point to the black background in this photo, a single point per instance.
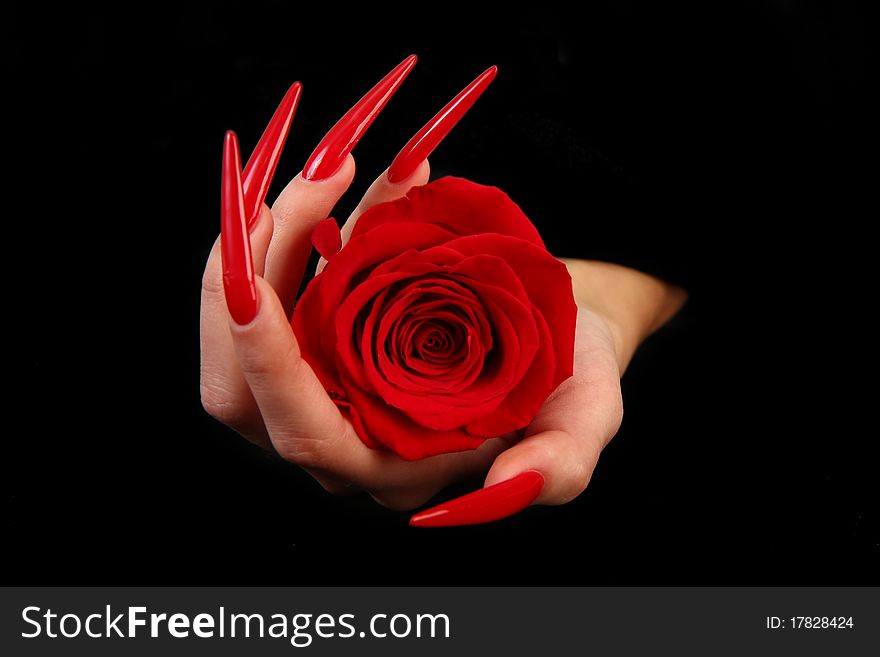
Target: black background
pixel 723 148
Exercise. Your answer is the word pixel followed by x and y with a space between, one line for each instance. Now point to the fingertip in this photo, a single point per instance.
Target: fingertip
pixel 344 173
pixel 267 305
pixel 556 456
pixel 305 202
pixel 261 236
pixel 420 176
pixel 383 190
pixel 327 239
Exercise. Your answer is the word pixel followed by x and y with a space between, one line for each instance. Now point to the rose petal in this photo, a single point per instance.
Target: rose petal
pixel 349 357
pixel 548 285
pixel 353 262
pixel 469 309
pixel 513 356
pixel 458 205
pixel 327 239
pixel 349 351
pixel 511 318
pixel 523 402
pixel 304 328
pixel 432 398
pixel 394 431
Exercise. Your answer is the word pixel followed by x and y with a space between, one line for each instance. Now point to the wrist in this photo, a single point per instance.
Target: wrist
pixel 632 303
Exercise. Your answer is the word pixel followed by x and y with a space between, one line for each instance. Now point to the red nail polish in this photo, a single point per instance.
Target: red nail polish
pixel 492 503
pixel 427 139
pixel 327 239
pixel 235 244
pixel 261 166
pixel 344 136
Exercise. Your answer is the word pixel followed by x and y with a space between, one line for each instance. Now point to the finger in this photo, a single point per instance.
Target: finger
pixel 310 197
pixel 264 344
pixel 224 392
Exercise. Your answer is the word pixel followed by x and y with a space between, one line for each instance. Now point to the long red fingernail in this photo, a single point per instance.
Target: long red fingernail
pixel 492 503
pixel 344 136
pixel 261 166
pixel 429 137
pixel 235 244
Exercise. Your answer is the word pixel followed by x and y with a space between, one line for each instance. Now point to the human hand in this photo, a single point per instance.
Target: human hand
pixel 254 380
pixel 617 308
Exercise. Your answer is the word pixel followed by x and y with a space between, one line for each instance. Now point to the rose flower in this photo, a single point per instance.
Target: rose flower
pixel 443 322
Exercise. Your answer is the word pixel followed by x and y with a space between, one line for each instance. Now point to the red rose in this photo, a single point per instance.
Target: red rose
pixel 443 322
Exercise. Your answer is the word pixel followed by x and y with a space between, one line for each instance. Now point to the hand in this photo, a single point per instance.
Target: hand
pixel 254 380
pixel 617 308
pixel 252 377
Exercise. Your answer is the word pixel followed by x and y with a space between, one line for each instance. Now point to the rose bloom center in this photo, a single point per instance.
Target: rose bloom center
pixel 434 334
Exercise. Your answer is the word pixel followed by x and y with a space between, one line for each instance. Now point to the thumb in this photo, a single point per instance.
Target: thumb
pixel 565 462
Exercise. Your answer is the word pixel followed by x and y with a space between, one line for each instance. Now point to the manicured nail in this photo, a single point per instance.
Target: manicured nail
pixel 235 244
pixel 344 136
pixel 429 137
pixel 261 167
pixel 327 239
pixel 492 503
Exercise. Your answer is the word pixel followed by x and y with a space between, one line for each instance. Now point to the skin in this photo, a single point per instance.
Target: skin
pixel 254 380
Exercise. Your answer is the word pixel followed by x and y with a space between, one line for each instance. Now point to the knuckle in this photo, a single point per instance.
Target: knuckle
pixel 212 278
pixel 290 210
pixel 262 368
pixel 282 217
pixel 305 453
pixel 572 489
pixel 212 284
pixel 222 407
pixel 587 447
pixel 576 460
pixel 580 475
pixel 575 473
